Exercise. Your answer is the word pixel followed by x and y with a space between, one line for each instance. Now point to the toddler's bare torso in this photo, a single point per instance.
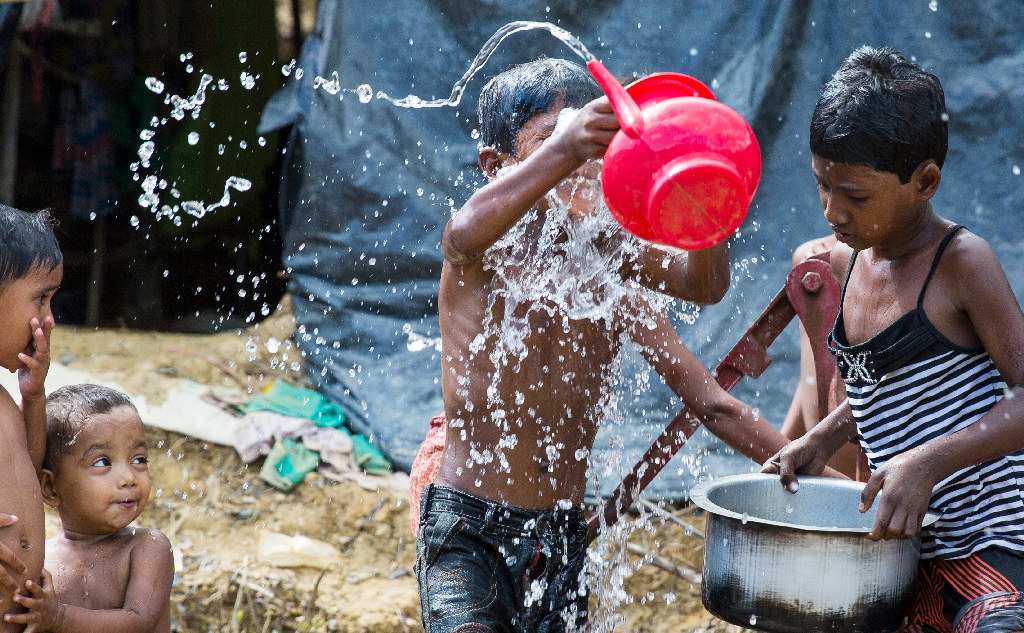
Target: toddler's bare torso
pixel 95 575
pixel 21 497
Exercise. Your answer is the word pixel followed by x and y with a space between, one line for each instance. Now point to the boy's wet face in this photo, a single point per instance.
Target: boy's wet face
pixel 864 206
pixel 579 192
pixel 21 300
pixel 103 483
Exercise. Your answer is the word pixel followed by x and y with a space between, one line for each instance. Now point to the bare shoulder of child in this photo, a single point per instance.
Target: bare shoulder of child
pixel 103 572
pixel 30 272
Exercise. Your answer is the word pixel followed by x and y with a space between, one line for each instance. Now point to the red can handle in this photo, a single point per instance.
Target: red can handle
pixel 627 111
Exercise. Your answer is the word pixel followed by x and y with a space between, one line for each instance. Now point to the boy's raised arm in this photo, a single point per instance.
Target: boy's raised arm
pixel 31 381
pixel 496 207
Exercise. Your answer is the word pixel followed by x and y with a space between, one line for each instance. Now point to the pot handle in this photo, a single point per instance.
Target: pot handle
pixel 627 111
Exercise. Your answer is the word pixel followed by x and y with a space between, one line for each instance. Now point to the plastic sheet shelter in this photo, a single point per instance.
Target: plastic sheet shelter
pixel 369 187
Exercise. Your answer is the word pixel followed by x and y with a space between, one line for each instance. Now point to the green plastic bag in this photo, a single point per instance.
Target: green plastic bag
pixel 297 403
pixel 287 463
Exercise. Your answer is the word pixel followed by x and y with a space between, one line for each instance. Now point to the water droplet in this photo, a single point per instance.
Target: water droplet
pixel 248 81
pixel 365 93
pixel 933 5
pixel 155 85
pixel 146 151
pixel 193 138
pixel 753 619
pixel 1016 170
pixel 242 57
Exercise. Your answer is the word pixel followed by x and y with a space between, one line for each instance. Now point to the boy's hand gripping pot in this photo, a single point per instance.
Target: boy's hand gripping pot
pixel 683 168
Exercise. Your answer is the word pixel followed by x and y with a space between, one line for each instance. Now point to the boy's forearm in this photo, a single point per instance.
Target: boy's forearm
pixel 746 432
pixel 996 434
pixel 700 277
pixel 496 207
pixel 34 412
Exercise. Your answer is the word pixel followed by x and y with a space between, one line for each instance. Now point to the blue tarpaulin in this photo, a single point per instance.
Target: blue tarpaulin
pixel 368 187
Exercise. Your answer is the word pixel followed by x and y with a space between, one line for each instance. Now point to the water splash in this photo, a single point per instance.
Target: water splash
pixel 412 101
pixel 193 103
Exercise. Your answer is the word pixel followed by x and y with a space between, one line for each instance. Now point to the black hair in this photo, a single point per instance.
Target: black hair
pixel 883 111
pixel 27 242
pixel 68 408
pixel 515 95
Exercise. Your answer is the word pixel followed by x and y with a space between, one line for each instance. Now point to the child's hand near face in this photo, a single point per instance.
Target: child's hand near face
pixel 32 376
pixel 45 610
pixel 10 560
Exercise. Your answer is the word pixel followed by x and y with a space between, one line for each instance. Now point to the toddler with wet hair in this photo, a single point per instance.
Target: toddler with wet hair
pixel 106 575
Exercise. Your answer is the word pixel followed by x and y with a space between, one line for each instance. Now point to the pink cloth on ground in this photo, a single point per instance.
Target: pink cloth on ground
pixel 425 467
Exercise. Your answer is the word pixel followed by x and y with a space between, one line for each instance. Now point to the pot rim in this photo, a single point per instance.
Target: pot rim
pixel 699 496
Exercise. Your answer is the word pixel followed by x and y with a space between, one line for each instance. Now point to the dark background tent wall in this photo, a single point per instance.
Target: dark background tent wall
pixel 74 104
pixel 367 187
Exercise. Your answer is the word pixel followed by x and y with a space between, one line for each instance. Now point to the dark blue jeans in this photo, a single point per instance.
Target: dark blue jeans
pixel 488 567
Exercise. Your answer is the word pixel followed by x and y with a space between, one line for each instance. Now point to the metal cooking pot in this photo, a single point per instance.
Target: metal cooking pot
pixel 794 563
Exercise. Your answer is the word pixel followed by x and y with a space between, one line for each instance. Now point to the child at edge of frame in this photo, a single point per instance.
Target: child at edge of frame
pixel 105 574
pixel 928 343
pixel 501 534
pixel 31 270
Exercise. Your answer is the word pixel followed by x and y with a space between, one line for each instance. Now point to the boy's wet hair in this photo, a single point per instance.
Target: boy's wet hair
pixel 27 242
pixel 514 96
pixel 881 110
pixel 68 408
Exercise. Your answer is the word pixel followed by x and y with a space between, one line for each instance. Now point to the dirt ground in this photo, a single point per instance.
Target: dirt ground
pixel 218 513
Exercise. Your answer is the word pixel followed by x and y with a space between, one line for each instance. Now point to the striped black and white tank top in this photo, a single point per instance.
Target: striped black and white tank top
pixel 908 385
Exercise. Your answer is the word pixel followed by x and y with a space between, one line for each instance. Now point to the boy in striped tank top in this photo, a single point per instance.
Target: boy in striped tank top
pixel 929 342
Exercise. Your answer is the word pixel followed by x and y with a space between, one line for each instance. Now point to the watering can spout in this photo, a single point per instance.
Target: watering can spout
pixel 626 109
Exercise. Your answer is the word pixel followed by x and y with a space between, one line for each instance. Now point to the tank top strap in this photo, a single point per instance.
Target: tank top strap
pixel 935 262
pixel 846 281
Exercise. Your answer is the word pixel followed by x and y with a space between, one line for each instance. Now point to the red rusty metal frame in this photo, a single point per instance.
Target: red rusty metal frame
pixel 812 293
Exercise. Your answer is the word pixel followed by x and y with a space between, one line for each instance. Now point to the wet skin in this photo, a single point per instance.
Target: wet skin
pixel 25 326
pixel 969 300
pixel 103 575
pixel 552 400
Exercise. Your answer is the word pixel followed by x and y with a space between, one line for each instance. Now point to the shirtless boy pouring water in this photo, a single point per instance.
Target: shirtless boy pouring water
pixel 539 292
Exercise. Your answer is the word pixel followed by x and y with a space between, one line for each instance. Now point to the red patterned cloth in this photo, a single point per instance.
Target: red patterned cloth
pixel 981 585
pixel 425 467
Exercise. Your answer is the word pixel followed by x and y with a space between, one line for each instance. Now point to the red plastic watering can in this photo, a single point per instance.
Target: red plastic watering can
pixel 683 168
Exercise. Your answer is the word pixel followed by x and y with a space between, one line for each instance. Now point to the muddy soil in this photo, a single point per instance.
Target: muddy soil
pixel 217 511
